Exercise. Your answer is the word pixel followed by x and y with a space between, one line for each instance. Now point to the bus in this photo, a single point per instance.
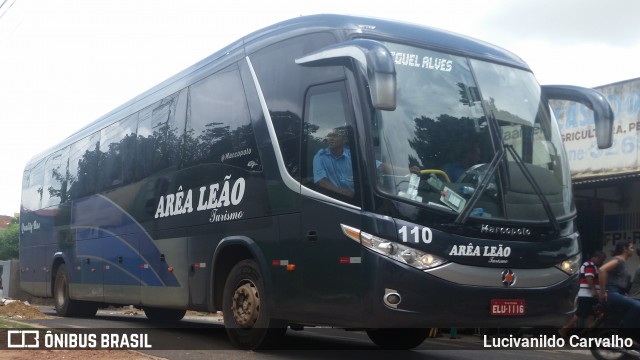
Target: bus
pixel 327 170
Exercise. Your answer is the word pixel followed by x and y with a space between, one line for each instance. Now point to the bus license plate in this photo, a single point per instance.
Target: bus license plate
pixel 507 307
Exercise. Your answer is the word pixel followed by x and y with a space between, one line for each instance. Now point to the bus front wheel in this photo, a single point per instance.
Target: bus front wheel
pixel 63 304
pixel 245 309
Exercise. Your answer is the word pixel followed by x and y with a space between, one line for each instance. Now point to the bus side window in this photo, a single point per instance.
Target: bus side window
pixel 83 166
pixel 32 187
pixel 109 163
pixel 128 147
pixel 160 135
pixel 55 179
pixel 327 142
pixel 117 144
pixel 284 84
pixel 219 127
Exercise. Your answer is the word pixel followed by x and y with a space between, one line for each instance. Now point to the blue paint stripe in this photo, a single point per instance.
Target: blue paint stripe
pixel 96 217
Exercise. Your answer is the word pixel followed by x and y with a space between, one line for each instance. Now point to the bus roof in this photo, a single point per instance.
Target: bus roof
pixel 436 39
pixel 344 25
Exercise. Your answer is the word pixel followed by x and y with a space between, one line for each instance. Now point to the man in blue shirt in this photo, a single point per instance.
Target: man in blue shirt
pixel 456 169
pixel 332 167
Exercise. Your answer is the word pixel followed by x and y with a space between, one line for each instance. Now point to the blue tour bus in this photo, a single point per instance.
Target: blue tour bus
pixel 327 170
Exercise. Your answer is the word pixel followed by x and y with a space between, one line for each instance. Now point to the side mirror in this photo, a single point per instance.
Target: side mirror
pixel 594 100
pixel 376 63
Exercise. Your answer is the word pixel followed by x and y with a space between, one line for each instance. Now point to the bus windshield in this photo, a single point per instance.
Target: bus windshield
pixel 454 117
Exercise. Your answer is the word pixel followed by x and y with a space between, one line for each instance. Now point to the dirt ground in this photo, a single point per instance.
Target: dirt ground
pixel 19 310
pixel 73 355
pixel 23 311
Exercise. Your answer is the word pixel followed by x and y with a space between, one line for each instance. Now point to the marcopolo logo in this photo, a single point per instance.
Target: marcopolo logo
pixel 488 229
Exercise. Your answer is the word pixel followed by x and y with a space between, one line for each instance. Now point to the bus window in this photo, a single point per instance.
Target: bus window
pixel 83 166
pixel 328 139
pixel 110 161
pixel 160 135
pixel 117 143
pixel 32 189
pixel 218 125
pixel 128 147
pixel 55 179
pixel 281 78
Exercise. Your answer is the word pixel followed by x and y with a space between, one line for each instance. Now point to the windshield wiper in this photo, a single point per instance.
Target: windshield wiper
pixel 535 186
pixel 480 189
pixel 493 166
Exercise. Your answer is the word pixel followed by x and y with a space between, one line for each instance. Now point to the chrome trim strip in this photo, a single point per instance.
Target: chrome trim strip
pixel 491 277
pixel 322 197
pixel 288 180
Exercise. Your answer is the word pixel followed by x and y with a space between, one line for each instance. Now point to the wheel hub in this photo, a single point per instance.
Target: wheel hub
pixel 246 305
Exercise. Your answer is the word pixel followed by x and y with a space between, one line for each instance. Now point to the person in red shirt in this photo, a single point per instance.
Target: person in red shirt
pixel 588 293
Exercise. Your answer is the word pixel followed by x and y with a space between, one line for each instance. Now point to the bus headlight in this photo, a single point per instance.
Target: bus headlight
pixel 404 254
pixel 571 265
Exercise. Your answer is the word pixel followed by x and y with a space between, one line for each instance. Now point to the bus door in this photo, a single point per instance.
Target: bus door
pixel 331 263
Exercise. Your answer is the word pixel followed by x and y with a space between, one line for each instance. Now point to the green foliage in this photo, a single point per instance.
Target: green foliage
pixel 9 241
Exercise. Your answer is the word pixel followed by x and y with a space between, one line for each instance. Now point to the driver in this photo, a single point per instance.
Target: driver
pixel 332 167
pixel 471 157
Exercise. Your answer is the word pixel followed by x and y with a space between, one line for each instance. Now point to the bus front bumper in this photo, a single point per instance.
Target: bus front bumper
pixel 466 296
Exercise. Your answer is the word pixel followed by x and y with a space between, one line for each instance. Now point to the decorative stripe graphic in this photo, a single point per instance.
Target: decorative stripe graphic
pixel 350 260
pixel 104 231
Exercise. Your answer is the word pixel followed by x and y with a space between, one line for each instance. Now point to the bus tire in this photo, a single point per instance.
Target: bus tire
pixel 398 339
pixel 245 309
pixel 160 315
pixel 63 304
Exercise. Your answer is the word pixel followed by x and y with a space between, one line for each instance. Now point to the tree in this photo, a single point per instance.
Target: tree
pixel 9 241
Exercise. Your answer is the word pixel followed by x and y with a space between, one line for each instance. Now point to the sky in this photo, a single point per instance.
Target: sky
pixel 65 63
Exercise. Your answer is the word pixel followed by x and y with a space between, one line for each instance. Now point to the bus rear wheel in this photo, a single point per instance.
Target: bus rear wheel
pixel 245 309
pixel 63 304
pixel 398 339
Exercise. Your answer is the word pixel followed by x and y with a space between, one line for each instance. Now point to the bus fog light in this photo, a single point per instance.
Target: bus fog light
pixel 392 299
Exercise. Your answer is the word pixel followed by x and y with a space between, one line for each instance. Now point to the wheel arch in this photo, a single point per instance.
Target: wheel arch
pixel 59 258
pixel 229 252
